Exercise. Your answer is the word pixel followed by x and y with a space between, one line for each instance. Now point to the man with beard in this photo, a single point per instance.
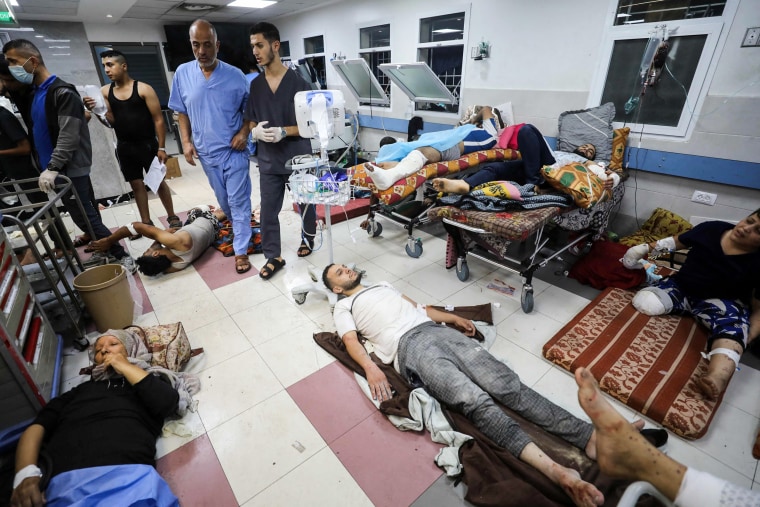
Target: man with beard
pixel 209 96
pixel 455 370
pixel 134 112
pixel 271 103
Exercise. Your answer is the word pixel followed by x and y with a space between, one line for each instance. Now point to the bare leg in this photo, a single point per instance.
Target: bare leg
pixel 451 186
pixel 165 194
pixel 720 370
pixel 621 450
pixel 584 494
pixel 141 199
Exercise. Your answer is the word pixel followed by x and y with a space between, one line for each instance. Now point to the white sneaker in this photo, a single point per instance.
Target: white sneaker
pixel 129 263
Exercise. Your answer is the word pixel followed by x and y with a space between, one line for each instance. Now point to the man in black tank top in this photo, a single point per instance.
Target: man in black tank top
pixel 135 114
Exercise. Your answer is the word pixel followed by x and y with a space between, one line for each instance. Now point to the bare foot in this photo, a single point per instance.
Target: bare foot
pixel 709 388
pixel 584 494
pixel 591 445
pixel 451 186
pixel 719 372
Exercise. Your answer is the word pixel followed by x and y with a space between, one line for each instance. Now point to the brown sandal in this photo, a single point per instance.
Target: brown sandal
pixel 242 264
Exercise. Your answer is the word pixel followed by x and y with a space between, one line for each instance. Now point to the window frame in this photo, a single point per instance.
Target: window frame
pixel 714 28
pixel 310 56
pixel 378 75
pixel 437 44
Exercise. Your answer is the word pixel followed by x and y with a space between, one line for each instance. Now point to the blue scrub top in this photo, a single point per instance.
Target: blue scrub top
pixel 214 106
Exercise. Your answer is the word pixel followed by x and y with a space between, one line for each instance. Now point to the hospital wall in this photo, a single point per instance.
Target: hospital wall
pixel 544 56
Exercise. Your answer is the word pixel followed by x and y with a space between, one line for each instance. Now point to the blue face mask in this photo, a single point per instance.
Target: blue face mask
pixel 21 75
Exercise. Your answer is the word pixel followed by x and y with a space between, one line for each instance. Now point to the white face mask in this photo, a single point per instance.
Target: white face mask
pixel 20 74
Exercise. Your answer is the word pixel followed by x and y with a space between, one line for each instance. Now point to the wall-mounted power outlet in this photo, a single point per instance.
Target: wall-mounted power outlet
pixel 704 197
pixel 751 37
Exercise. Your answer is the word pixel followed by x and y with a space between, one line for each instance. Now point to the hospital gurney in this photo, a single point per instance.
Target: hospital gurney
pixel 491 236
pixel 399 203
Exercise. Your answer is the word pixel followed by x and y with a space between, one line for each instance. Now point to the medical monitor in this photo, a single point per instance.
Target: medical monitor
pixel 418 81
pixel 360 80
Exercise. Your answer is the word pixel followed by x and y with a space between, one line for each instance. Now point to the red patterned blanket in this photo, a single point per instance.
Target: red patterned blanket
pixel 649 363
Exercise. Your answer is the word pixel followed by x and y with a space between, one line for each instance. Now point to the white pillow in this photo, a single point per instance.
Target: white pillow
pixel 505 111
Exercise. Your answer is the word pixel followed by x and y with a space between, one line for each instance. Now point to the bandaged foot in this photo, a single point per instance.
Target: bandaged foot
pixel 451 186
pixel 385 178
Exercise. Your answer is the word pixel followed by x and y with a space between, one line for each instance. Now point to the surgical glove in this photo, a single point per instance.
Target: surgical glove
pixel 279 134
pixel 262 133
pixel 47 180
pixel 631 258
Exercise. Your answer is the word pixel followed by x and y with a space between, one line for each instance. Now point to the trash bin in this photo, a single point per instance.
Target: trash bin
pixel 105 292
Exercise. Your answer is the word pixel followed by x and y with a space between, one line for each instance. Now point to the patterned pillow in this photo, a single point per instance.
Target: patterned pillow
pixel 588 126
pixel 619 140
pixel 662 224
pixel 580 183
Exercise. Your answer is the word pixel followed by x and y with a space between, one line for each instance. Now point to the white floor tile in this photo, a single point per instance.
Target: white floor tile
pixel 271 319
pixel 263 444
pixel 233 386
pixel 201 309
pixel 320 480
pixel 291 356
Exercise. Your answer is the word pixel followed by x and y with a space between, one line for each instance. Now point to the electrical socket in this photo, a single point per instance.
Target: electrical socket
pixel 751 37
pixel 704 197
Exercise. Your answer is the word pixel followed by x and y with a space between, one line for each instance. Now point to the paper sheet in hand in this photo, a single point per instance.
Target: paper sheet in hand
pixel 155 174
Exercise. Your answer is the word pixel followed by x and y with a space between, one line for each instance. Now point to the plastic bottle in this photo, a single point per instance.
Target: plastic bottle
pixel 100 105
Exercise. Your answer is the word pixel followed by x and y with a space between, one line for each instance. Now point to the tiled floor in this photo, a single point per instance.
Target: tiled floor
pixel 279 422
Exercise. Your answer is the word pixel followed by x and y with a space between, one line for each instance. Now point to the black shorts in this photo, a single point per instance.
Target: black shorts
pixel 135 157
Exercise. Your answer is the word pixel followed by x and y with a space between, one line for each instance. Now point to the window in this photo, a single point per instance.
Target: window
pixel 285 50
pixel 635 11
pixel 657 73
pixel 314 47
pixel 441 46
pixel 376 39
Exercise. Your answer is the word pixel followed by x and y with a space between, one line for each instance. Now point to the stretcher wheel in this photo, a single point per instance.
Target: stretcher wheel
pixel 300 298
pixel 526 299
pixel 374 229
pixel 463 270
pixel 414 249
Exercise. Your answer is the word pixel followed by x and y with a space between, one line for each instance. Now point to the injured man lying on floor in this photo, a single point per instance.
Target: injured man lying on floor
pixel 172 250
pixel 455 370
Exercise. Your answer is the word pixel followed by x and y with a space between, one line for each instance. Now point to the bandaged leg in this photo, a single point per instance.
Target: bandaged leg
pixel 724 358
pixel 652 301
pixel 413 162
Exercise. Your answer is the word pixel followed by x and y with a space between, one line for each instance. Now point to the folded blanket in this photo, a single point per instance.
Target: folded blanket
pixel 493 476
pixel 496 196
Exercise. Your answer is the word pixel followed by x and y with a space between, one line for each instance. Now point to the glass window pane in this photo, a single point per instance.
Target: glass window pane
pixel 635 11
pixel 375 37
pixel 441 28
pixel 663 103
pixel 284 49
pixel 446 63
pixel 312 45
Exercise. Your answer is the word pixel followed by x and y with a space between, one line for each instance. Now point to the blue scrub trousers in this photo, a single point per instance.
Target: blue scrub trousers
pixel 232 187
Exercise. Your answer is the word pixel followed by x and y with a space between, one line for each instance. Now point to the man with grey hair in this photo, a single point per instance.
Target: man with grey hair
pixel 209 96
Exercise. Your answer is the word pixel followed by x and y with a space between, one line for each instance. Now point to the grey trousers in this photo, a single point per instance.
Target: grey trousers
pixel 465 377
pixel 272 187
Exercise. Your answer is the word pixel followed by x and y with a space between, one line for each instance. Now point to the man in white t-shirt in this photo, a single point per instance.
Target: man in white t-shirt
pixel 455 370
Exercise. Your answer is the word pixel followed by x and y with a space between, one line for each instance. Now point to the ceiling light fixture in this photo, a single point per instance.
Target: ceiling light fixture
pixel 197 7
pixel 252 4
pixel 446 30
pixel 57 40
pixel 14 3
pixel 109 15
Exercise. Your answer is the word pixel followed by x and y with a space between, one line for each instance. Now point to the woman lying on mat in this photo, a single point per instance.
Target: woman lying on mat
pixel 98 441
pixel 622 453
pixel 719 284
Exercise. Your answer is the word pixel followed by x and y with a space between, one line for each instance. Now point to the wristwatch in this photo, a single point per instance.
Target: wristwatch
pixel 162 149
pixel 283 132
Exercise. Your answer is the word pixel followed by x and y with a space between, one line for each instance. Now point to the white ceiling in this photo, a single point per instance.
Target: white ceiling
pixel 168 11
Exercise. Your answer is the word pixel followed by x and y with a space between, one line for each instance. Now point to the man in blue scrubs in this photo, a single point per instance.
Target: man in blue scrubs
pixel 209 96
